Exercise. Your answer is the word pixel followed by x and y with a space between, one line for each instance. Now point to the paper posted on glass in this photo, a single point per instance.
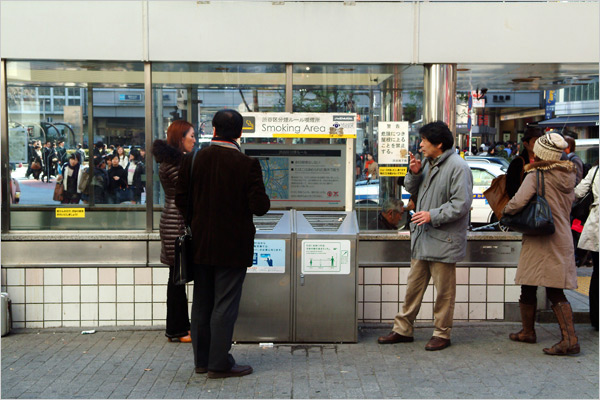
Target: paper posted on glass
pixel 393 148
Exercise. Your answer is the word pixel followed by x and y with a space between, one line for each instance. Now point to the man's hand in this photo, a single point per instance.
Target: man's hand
pixel 415 165
pixel 421 217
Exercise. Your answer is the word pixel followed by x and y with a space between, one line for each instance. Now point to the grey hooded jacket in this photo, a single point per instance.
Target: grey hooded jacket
pixel 446 191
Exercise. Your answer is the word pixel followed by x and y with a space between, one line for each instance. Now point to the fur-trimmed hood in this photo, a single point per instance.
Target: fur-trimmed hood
pixel 546 165
pixel 165 153
pixel 561 174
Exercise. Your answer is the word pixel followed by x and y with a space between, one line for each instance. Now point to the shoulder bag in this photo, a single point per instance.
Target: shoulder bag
pixel 59 192
pixel 496 195
pixel 581 207
pixel 536 218
pixel 184 255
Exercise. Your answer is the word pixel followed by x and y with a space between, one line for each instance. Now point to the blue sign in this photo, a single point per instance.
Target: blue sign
pixel 130 97
pixel 550 103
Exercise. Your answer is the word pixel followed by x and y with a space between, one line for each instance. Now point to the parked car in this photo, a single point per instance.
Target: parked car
pixel 490 159
pixel 367 192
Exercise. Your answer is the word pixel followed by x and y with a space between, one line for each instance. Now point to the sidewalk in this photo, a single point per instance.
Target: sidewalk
pixel 481 363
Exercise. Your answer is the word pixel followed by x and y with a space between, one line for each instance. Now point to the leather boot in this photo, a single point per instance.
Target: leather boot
pixel 527 334
pixel 568 343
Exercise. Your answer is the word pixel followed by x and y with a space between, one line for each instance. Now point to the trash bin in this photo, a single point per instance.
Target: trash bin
pixel 326 277
pixel 265 310
pixel 5 314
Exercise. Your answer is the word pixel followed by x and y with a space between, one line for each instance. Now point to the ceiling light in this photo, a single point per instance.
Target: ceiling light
pixel 522 80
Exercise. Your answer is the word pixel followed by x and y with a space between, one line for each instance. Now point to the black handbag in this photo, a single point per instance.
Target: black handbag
pixel 184 254
pixel 581 208
pixel 536 218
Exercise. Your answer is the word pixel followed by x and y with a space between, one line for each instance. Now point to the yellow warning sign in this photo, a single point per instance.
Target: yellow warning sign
pixel 78 212
pixel 393 171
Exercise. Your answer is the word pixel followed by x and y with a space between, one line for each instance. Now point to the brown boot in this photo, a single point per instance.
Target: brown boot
pixel 568 343
pixel 527 334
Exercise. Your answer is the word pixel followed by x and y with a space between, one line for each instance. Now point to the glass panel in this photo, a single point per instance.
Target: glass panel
pixel 56 136
pixel 194 92
pixel 376 93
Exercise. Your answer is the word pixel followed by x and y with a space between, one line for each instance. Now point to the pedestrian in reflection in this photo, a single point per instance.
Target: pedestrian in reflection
pixel 71 179
pixel 389 216
pixel 49 155
pixel 38 159
pixel 100 181
pixel 135 170
pixel 123 159
pixel 61 154
pixel 443 186
pixel 371 167
pixel 81 153
pixel 515 172
pixel 547 260
pixel 117 181
pixel 169 153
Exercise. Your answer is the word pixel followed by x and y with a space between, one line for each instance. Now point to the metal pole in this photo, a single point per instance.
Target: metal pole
pixel 289 87
pixel 5 169
pixel 90 100
pixel 439 97
pixel 149 136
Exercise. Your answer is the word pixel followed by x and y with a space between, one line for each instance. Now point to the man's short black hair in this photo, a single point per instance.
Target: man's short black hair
pixel 228 124
pixel 438 132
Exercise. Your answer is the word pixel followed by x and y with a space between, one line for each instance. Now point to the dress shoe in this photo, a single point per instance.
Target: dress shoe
pixel 183 339
pixel 200 370
pixel 394 337
pixel 437 343
pixel 236 370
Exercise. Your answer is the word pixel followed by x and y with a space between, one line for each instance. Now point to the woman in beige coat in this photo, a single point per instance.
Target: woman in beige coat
pixel 589 236
pixel 548 260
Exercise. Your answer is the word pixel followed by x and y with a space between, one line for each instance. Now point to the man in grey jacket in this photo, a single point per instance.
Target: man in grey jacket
pixel 443 187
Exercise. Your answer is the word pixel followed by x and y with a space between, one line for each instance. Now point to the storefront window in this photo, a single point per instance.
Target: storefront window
pixel 46 131
pixel 195 92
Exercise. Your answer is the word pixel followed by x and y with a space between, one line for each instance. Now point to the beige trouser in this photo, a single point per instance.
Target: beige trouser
pixel 444 281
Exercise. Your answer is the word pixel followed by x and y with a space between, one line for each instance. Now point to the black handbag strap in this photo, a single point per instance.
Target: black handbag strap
pixel 188 210
pixel 543 193
pixel 593 177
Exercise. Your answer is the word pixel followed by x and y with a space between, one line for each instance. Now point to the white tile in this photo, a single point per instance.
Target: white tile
pixel 15 277
pixel 143 293
pixel 16 294
pixel 361 293
pixel 426 312
pixel 124 311
pixel 477 293
pixel 89 324
pixel 107 311
pixel 360 312
pixel 52 312
pixel 52 294
pixel 89 311
pixel 107 294
pixel 476 311
pixel 89 294
pixel 477 276
pixel 389 311
pixel 52 324
pixel 71 324
pixel 512 294
pixel 372 276
pixel 372 311
pixel 143 323
pixel 389 293
pixel 189 309
pixel 52 276
pixel 159 293
pixel 143 311
pixel 159 311
pixel 403 275
pixel 125 294
pixel 495 311
pixel 402 293
pixel 428 295
pixel 373 293
pixel 18 313
pixel 462 293
pixel 34 312
pixel 71 294
pixel 461 311
pixel 124 276
pixel 34 324
pixel 34 294
pixel 107 323
pixel 71 312
pixel 160 275
pixel 125 323
pixel 89 276
pixel 509 276
pixel 495 293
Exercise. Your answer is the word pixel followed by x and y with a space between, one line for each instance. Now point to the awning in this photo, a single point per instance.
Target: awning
pixel 571 120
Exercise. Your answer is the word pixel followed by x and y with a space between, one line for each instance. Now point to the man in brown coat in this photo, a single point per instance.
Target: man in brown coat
pixel 227 189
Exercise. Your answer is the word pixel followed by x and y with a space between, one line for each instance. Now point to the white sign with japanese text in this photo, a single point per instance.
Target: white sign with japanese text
pixel 330 257
pixel 299 125
pixel 269 257
pixel 393 143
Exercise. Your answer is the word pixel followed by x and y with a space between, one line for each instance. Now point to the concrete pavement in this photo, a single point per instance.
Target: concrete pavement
pixel 481 363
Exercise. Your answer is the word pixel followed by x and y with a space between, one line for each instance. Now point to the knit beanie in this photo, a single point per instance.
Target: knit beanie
pixel 550 147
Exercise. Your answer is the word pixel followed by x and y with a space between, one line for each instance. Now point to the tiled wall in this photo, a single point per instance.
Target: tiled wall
pixel 480 294
pixel 109 296
pixel 68 297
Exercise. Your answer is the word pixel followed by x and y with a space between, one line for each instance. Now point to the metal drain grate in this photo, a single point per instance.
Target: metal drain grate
pixel 267 222
pixel 325 223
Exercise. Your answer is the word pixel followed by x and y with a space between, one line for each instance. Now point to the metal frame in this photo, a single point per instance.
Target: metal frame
pixel 148 127
pixel 4 169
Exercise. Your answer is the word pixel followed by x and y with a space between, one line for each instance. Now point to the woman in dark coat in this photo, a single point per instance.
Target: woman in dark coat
pixel 516 170
pixel 117 180
pixel 135 170
pixel 180 140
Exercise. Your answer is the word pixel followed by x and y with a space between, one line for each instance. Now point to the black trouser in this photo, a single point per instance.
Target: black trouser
pixel 594 291
pixel 217 294
pixel 178 320
pixel 529 295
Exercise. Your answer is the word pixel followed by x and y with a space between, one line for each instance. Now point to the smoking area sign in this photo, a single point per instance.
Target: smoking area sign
pixel 393 148
pixel 78 212
pixel 330 257
pixel 269 257
pixel 299 125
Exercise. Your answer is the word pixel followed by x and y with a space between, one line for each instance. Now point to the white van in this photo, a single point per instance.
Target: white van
pixel 587 150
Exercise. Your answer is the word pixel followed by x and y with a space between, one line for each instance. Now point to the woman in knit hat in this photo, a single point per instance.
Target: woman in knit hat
pixel 548 260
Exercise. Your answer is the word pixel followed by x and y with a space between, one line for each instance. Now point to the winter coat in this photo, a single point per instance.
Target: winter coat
pixel 171 221
pixel 113 184
pixel 72 186
pixel 548 260
pixel 227 190
pixel 446 191
pixel 372 170
pixel 589 235
pixel 137 183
